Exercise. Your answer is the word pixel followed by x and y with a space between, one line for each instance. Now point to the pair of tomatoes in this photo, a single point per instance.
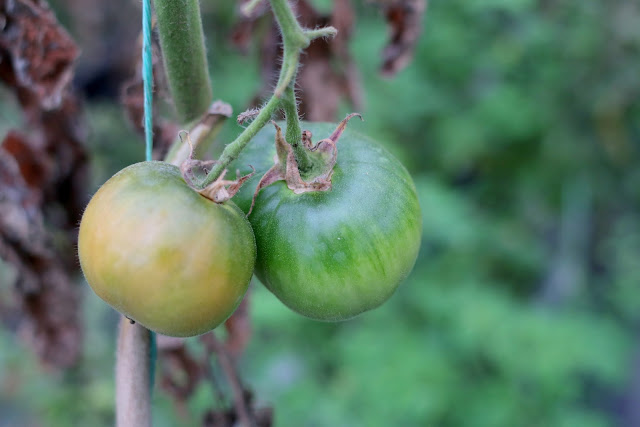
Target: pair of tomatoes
pixel 179 264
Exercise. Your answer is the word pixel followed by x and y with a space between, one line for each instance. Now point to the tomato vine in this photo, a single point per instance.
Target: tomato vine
pixel 294 38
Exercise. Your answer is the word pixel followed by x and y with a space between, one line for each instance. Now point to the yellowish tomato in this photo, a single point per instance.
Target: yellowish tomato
pixel 162 254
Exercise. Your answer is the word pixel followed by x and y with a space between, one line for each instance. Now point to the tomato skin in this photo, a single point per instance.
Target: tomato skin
pixel 163 255
pixel 332 255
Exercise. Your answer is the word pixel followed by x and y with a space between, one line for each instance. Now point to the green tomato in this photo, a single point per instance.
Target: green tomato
pixel 162 254
pixel 330 255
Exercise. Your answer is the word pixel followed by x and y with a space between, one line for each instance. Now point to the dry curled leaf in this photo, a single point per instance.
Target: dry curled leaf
pixel 40 51
pixel 328 74
pixel 43 173
pixel 285 166
pixel 46 298
pixel 222 189
pixel 218 191
pixel 405 20
pixel 180 371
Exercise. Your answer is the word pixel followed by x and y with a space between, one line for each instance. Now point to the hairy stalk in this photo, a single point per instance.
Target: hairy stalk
pixel 134 375
pixel 293 134
pixel 185 61
pixel 294 38
pixel 232 151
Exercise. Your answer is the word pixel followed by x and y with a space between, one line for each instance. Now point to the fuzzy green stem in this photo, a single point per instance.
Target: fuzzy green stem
pixel 293 134
pixel 321 32
pixel 292 32
pixel 134 375
pixel 295 38
pixel 232 151
pixel 185 61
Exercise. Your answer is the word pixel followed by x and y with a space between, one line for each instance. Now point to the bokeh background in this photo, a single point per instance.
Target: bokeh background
pixel 520 122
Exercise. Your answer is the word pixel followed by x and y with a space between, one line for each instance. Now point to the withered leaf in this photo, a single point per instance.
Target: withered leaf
pixel 42 179
pixel 41 52
pixel 180 371
pixel 328 74
pixel 405 20
pixel 47 300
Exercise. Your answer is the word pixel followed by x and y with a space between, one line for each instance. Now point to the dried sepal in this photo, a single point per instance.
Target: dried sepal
pixel 218 191
pixel 405 23
pixel 286 166
pixel 222 189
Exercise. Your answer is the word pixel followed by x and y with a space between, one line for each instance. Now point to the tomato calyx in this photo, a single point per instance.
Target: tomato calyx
pixel 323 156
pixel 220 190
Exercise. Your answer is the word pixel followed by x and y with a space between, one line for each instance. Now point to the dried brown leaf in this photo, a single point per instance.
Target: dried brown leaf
pixel 405 20
pixel 180 371
pixel 47 299
pixel 40 51
pixel 328 74
pixel 42 177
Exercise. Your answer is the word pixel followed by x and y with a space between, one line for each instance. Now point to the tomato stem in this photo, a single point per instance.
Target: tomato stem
pixel 294 38
pixel 134 379
pixel 293 135
pixel 185 61
pixel 232 151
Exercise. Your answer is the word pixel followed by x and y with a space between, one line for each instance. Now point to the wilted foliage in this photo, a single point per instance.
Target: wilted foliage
pixel 42 180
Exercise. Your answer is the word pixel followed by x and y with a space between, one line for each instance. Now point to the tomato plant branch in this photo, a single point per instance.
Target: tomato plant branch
pixel 294 38
pixel 185 61
pixel 231 151
pixel 293 134
pixel 290 107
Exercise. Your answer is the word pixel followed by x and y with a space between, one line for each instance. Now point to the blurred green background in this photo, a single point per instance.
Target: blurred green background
pixel 520 122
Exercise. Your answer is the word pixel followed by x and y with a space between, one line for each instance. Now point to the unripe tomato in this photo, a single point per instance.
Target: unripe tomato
pixel 163 255
pixel 331 255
